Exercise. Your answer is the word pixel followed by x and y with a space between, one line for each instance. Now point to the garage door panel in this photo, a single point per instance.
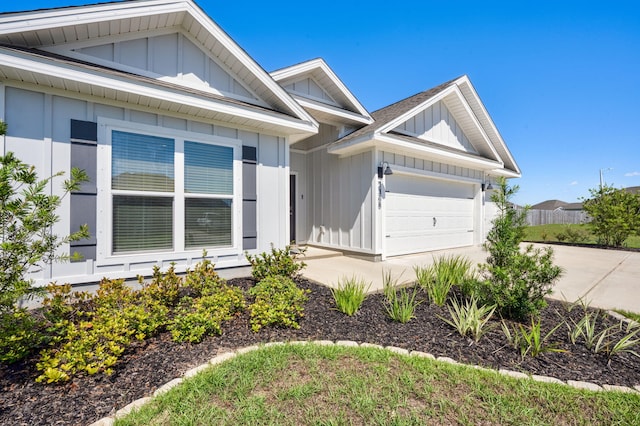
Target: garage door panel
pixel 409 217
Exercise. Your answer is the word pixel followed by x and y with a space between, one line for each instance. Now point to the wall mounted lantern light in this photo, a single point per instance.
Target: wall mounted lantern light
pixel 384 169
pixel 487 186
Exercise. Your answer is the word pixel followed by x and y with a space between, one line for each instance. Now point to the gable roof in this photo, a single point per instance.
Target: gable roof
pixel 346 108
pixel 43 31
pixel 550 205
pixel 464 104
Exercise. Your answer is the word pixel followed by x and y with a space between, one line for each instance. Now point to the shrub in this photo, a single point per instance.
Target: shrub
pixel 350 295
pixel 516 281
pixel 280 262
pixel 19 335
pixel 615 215
pixel 204 316
pixel 98 336
pixel 27 214
pixel 572 234
pixel 278 301
pixel 164 287
pixel 469 317
pixel 203 279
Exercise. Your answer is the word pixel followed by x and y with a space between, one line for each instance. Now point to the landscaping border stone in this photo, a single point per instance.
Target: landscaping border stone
pixel 109 421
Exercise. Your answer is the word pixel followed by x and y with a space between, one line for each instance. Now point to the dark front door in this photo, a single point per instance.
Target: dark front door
pixel 292 208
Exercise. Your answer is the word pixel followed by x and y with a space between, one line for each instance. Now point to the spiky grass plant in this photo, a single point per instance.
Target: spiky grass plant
pixel 401 304
pixel 469 318
pixel 530 340
pixel 444 273
pixel 350 294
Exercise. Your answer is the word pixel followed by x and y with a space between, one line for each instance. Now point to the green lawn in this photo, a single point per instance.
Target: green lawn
pixel 337 385
pixel 549 233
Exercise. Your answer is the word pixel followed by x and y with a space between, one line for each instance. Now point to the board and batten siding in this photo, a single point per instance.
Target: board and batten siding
pixel 310 89
pixel 171 55
pixel 437 124
pixel 340 202
pixel 40 133
pixel 431 166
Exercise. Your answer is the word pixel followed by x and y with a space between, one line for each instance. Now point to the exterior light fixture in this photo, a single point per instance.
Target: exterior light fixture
pixel 384 170
pixel 487 186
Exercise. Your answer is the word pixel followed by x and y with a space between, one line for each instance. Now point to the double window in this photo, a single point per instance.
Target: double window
pixel 170 194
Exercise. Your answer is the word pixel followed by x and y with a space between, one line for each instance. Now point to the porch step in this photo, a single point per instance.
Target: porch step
pixel 319 253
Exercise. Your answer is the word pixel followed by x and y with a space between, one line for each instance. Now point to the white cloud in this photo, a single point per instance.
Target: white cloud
pixel 631 174
pixel 575 182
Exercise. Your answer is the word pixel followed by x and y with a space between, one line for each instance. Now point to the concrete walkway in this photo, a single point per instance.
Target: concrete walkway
pixel 604 278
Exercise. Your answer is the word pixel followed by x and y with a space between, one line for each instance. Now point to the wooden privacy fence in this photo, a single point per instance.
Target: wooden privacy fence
pixel 565 217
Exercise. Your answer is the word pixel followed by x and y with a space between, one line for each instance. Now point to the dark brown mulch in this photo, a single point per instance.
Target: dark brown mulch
pixel 154 362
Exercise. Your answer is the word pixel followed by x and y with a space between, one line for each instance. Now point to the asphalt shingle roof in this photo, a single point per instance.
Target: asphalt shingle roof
pixel 389 113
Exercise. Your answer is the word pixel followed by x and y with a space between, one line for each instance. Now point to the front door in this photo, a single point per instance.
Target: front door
pixel 292 208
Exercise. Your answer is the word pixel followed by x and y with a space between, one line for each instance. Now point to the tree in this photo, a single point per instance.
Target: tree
pixel 615 214
pixel 26 217
pixel 516 281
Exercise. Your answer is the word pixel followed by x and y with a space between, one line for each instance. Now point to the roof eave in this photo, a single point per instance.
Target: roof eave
pixel 424 151
pixel 86 79
pixel 308 66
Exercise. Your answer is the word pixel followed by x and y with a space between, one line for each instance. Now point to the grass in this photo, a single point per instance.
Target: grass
pixel 350 294
pixel 548 233
pixel 336 385
pixel 631 315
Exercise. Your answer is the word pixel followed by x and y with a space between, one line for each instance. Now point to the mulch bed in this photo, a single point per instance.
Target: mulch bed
pixel 150 364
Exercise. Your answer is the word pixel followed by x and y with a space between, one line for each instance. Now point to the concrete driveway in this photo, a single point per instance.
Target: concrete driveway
pixel 604 278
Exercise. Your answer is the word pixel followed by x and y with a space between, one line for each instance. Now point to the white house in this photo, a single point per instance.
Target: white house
pixel 191 145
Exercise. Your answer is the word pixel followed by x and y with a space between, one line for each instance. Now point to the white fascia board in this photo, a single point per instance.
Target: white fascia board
pixel 391 144
pixel 465 80
pixel 506 173
pixel 33 21
pixel 337 112
pixel 455 90
pixel 308 67
pixel 475 120
pixel 217 32
pixel 356 144
pixel 41 66
pixel 435 153
pixel 60 17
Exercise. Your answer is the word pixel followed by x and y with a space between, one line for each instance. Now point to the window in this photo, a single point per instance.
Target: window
pixel 208 187
pixel 170 194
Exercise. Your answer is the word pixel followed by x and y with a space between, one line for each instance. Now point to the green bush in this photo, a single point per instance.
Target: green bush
pixel 280 262
pixel 350 295
pixel 19 335
pixel 614 213
pixel 164 287
pixel 99 335
pixel 27 214
pixel 195 319
pixel 278 301
pixel 516 281
pixel 203 279
pixel 572 234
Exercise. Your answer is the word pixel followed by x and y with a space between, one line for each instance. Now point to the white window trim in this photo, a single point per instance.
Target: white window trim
pixel 104 219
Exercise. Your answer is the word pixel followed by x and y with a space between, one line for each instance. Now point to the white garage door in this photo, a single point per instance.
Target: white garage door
pixel 427 214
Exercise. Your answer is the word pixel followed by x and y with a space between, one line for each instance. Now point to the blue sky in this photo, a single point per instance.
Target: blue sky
pixel 561 79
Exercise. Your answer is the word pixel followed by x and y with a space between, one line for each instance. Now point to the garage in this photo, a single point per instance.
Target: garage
pixel 425 214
